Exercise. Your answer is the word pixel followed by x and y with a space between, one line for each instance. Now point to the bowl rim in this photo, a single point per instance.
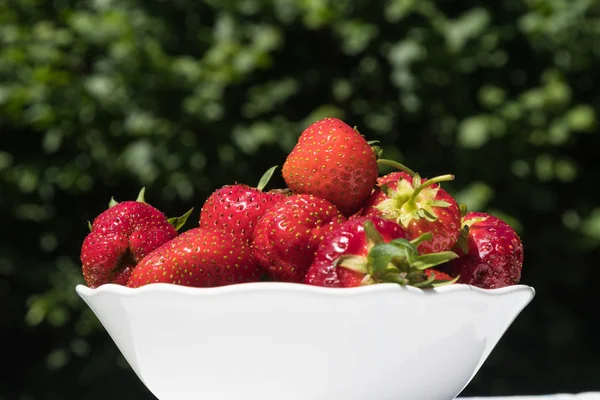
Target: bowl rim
pixel 86 291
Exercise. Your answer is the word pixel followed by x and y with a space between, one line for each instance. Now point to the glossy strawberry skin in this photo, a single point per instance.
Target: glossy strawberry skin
pixel 199 257
pixel 332 161
pixel 495 253
pixel 347 239
pixel 235 209
pixel 121 236
pixel 288 234
pixel 445 230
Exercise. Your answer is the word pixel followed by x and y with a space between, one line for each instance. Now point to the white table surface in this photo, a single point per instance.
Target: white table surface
pixel 558 396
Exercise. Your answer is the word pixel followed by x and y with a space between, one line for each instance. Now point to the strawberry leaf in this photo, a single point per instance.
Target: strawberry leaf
pixel 141 195
pixel 112 202
pixel 463 210
pixel 462 242
pixel 396 277
pixel 378 151
pixel 380 258
pixel 426 283
pixel 373 235
pixel 416 181
pixel 353 263
pixel 264 180
pixel 90 225
pixel 178 222
pixel 445 282
pixel 422 238
pixel 428 215
pixel 388 191
pixel 425 261
pixel 439 203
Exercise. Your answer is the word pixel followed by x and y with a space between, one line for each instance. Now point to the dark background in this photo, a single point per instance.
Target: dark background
pixel 99 98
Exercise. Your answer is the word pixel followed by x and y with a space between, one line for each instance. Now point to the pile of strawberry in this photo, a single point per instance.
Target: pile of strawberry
pixel 337 224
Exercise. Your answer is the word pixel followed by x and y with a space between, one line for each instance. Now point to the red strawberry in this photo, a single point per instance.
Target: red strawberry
pixel 236 208
pixel 199 257
pixel 332 161
pixel 420 206
pixel 121 236
pixel 494 255
pixel 287 236
pixel 370 250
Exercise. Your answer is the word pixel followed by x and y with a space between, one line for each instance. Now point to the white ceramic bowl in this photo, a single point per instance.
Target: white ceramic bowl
pixel 281 341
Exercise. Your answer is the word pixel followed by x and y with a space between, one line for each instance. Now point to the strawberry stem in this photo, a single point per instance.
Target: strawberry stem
pixel 442 178
pixel 396 164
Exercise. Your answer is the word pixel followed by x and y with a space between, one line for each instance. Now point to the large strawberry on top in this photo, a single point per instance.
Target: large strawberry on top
pixel 235 209
pixel 199 257
pixel 420 206
pixel 494 253
pixel 288 234
pixel 121 236
pixel 333 161
pixel 371 250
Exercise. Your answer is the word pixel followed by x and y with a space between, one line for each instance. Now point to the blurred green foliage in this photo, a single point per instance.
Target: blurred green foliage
pixel 101 97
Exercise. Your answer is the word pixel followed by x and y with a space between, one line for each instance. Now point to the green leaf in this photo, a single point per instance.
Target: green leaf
pixel 90 225
pixel 395 277
pixel 264 180
pixel 431 260
pixel 112 202
pixel 442 282
pixel 416 181
pixel 426 283
pixel 373 235
pixel 388 191
pixel 380 258
pixel 462 242
pixel 422 238
pixel 378 151
pixel 439 203
pixel 463 210
pixel 178 222
pixel 141 195
pixel 422 213
pixel 353 262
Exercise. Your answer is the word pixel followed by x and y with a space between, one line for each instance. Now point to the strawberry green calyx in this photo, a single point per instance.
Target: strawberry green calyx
pixel 414 200
pixel 178 222
pixel 422 200
pixel 397 261
pixel 141 195
pixel 376 149
pixel 140 198
pixel 264 180
pixel 462 242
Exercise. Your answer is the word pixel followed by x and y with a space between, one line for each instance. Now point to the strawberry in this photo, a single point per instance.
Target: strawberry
pixel 370 250
pixel 420 206
pixel 332 161
pixel 236 208
pixel 199 257
pixel 121 236
pixel 494 253
pixel 287 235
